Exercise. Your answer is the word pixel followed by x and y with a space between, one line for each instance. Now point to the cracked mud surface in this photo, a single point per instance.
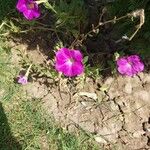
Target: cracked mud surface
pixel 117 116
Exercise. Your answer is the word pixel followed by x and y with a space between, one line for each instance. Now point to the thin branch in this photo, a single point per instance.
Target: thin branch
pixel 138 13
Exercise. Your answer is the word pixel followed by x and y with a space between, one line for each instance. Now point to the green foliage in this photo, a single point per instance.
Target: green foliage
pixel 6 6
pixel 122 7
pixel 140 42
pixel 70 16
pixel 142 47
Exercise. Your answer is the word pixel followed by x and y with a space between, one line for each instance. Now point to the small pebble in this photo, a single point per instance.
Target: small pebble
pixel 100 140
pixel 128 88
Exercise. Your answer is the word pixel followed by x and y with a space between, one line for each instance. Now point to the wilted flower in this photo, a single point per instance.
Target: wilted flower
pixel 29 8
pixel 22 79
pixel 130 65
pixel 69 62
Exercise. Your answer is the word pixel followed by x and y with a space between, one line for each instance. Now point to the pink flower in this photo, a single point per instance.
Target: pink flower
pixel 29 8
pixel 130 65
pixel 22 79
pixel 69 62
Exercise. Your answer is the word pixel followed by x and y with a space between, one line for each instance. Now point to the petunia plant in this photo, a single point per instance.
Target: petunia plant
pixel 69 61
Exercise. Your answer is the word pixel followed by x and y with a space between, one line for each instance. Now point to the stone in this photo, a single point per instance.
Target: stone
pixel 100 140
pixel 138 134
pixel 128 88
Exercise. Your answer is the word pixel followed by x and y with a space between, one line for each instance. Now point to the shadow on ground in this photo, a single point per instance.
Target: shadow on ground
pixel 7 141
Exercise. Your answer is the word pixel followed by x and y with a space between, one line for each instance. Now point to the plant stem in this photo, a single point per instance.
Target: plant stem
pixel 28 70
pixel 48 5
pixel 137 13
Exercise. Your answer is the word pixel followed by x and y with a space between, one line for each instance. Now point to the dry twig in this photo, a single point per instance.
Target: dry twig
pixel 138 13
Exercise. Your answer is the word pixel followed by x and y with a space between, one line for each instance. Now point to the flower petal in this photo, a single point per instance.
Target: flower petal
pixel 77 68
pixel 76 54
pixel 61 56
pixel 122 61
pixel 67 52
pixel 64 68
pixel 133 58
pixel 21 7
pixel 125 70
pixel 22 80
pixel 138 66
pixel 31 14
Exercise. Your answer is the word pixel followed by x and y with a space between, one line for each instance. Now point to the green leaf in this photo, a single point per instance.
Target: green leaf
pixel 85 59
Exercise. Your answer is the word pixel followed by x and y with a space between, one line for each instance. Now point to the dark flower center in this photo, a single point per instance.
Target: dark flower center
pixel 31 5
pixel 130 64
pixel 70 61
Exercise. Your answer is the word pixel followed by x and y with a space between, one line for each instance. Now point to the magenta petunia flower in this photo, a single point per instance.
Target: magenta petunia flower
pixel 22 79
pixel 130 65
pixel 69 62
pixel 29 8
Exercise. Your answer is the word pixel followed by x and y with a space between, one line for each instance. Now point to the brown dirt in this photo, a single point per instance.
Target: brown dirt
pixel 116 111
